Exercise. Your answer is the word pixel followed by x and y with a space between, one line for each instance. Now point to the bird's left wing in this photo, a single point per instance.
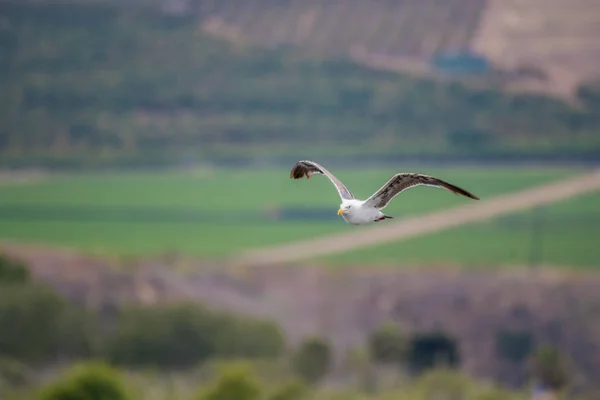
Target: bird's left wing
pixel 306 169
pixel 401 182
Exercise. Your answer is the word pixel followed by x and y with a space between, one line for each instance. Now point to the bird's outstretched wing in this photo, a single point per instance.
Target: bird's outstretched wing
pixel 401 182
pixel 306 169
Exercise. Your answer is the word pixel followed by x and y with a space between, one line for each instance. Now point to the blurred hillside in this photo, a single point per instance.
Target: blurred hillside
pixel 97 83
pixel 494 318
pixel 545 46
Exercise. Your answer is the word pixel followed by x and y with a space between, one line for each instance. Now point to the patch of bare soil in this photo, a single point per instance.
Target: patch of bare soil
pixel 20 176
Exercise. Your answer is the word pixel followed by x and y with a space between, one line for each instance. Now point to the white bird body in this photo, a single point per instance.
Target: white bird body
pixel 356 212
pixel 360 212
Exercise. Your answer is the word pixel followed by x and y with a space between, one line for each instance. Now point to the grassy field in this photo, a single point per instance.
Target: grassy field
pixel 564 233
pixel 215 213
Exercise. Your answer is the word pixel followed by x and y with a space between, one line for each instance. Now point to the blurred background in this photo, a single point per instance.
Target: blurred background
pixel 152 245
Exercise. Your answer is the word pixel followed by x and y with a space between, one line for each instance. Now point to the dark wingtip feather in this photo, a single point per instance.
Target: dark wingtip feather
pixel 299 170
pixel 456 190
pixel 463 192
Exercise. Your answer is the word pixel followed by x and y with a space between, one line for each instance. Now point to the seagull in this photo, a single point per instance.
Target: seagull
pixel 361 212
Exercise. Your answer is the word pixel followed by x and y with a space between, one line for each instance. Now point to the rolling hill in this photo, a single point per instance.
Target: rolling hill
pixel 101 83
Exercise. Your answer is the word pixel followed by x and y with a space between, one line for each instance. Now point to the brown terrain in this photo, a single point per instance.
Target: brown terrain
pixel 547 46
pixel 473 305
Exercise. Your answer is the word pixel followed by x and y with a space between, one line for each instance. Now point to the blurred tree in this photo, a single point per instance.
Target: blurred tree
pixel 514 346
pixel 312 359
pixel 13 271
pixel 184 334
pixel 92 381
pixel 174 335
pixel 444 384
pixel 39 325
pixel 234 382
pixel 292 390
pixel 550 367
pixel 241 336
pixel 429 350
pixel 589 94
pixel 388 345
pixel 14 373
pixel 470 139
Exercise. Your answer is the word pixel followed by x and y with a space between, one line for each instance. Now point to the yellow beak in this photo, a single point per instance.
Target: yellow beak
pixel 340 211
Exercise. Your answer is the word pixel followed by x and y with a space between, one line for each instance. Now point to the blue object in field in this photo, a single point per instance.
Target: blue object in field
pixel 461 62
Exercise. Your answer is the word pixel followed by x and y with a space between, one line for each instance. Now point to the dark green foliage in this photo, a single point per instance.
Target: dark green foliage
pixel 550 367
pixel 388 345
pixel 181 335
pixel 312 359
pixel 292 390
pixel 470 139
pixel 429 350
pixel 166 335
pixel 444 384
pixel 589 95
pixel 12 271
pixel 38 325
pixel 514 346
pixel 234 382
pixel 94 381
pixel 240 336
pixel 13 373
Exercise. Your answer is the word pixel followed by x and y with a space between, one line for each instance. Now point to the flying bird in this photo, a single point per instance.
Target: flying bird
pixel 360 212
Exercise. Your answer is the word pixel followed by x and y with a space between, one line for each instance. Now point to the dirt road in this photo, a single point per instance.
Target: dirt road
pixel 421 225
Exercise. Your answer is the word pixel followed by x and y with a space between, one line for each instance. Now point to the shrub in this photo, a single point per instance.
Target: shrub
pixel 514 346
pixel 234 382
pixel 182 335
pixel 387 345
pixel 292 390
pixel 247 337
pixel 443 384
pixel 440 385
pixel 589 94
pixel 167 335
pixel 470 139
pixel 550 367
pixel 93 381
pixel 38 325
pixel 312 359
pixel 429 350
pixel 13 271
pixel 13 373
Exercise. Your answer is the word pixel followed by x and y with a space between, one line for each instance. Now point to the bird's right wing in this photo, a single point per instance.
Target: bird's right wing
pixel 306 169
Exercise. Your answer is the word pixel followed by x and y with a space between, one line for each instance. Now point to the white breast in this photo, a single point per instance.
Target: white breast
pixel 359 215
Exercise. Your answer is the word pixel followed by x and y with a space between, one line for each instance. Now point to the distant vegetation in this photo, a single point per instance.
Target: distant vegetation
pixel 95 84
pixel 54 350
pixel 238 381
pixel 41 327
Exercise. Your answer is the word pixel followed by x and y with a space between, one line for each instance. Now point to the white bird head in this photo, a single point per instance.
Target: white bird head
pixel 346 207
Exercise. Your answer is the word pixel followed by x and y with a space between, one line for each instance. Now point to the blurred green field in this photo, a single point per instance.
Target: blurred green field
pixel 565 233
pixel 213 213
